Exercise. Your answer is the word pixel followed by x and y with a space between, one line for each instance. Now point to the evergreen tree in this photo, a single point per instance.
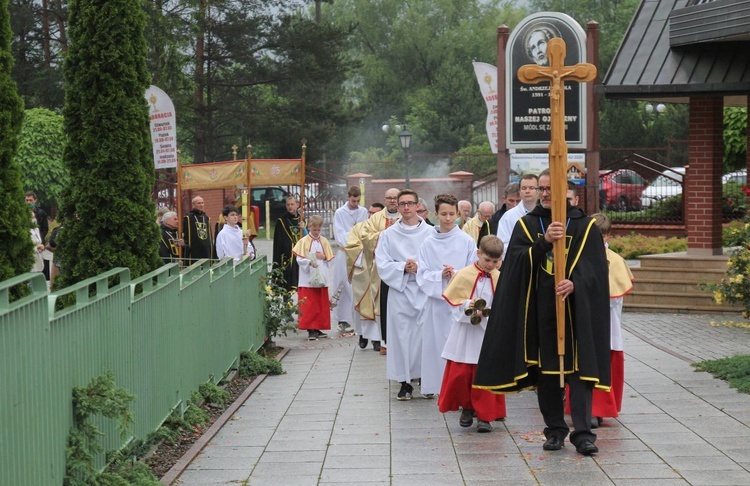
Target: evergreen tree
pixel 16 255
pixel 108 216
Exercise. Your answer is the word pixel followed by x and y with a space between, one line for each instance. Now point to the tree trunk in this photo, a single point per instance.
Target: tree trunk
pixel 45 34
pixel 198 102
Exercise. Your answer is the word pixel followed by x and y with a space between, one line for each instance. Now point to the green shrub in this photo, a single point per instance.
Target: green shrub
pixel 213 394
pixel 253 364
pixel 633 246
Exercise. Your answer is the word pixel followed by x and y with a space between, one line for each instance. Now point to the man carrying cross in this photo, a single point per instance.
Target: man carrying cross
pixel 550 317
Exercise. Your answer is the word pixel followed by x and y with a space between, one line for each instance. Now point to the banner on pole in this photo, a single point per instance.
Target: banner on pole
pixel 487 79
pixel 163 128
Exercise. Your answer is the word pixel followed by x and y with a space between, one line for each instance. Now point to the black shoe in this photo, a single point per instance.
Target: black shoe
pixel 554 443
pixel 483 426
pixel 321 334
pixel 362 342
pixel 405 392
pixel 596 422
pixel 312 335
pixel 466 418
pixel 586 447
pixel 376 345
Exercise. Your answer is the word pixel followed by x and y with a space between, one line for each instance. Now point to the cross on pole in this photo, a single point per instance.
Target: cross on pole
pixel 556 74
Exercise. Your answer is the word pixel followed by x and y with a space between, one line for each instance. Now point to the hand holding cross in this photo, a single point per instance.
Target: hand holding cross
pixel 556 74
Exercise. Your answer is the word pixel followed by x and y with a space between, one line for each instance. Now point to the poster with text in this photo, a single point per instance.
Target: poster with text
pixel 163 128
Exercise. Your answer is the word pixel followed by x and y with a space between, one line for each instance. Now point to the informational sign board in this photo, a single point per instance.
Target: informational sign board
pixel 163 128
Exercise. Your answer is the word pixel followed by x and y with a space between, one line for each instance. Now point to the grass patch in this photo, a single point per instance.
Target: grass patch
pixel 734 370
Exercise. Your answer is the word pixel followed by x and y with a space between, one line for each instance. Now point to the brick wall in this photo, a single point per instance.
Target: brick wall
pixel 704 189
pixel 457 183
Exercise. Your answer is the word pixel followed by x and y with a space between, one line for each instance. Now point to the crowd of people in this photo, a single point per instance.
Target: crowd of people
pixel 463 307
pixel 432 297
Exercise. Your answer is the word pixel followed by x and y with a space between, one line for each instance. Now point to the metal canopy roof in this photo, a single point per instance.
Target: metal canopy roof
pixel 646 67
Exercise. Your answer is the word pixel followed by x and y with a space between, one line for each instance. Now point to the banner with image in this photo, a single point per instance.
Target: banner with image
pixel 487 79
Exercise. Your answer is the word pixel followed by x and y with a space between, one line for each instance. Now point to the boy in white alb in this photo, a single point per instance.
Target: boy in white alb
pixel 312 293
pixel 471 293
pixel 446 250
pixel 396 259
pixel 229 242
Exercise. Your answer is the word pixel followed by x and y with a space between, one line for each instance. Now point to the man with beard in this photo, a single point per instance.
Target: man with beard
pixel 169 243
pixel 196 229
pixel 520 347
pixel 288 231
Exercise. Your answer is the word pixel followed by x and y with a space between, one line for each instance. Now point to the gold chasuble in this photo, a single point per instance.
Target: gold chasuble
pixel 472 227
pixel 363 238
pixel 462 285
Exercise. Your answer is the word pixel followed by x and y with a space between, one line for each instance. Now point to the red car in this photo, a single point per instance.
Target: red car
pixel 620 190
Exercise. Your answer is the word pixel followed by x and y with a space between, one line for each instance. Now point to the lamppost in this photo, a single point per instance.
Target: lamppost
pixel 404 137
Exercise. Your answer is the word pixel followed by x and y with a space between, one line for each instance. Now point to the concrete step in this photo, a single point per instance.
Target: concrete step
pixel 679 274
pixel 682 260
pixel 681 309
pixel 695 301
pixel 665 285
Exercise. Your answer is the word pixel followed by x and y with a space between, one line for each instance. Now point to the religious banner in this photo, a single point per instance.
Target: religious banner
pixel 528 106
pixel 275 172
pixel 487 79
pixel 163 128
pixel 213 176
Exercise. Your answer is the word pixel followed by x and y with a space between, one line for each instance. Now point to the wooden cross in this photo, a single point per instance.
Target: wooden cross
pixel 556 74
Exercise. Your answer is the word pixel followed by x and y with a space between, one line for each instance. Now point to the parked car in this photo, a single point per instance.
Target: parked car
pixel 738 177
pixel 277 199
pixel 666 185
pixel 620 189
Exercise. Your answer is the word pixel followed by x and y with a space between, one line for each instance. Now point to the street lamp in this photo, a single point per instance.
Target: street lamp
pixel 405 137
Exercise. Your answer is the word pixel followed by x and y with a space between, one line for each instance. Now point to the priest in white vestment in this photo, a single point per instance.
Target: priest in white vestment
pixel 529 197
pixel 445 251
pixel 396 259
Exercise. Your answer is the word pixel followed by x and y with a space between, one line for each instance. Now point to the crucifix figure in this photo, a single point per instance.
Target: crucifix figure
pixel 556 74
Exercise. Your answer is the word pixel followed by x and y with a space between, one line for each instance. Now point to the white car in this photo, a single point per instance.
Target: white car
pixel 738 177
pixel 668 184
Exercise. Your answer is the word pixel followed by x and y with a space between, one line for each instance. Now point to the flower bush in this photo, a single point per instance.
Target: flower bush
pixel 734 288
pixel 280 310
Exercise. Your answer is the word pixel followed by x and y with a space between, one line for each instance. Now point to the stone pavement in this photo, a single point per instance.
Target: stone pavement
pixel 333 418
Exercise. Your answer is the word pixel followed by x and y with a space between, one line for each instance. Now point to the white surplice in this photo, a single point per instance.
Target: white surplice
pixel 343 220
pixel 395 245
pixel 457 249
pixel 465 339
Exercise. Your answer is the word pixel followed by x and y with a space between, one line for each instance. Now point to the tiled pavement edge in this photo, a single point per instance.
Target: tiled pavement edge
pixel 333 418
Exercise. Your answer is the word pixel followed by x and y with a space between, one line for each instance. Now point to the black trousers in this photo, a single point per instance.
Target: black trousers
pixel 552 405
pixel 383 308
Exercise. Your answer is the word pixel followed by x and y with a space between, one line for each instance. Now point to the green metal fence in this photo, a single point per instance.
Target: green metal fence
pixel 161 335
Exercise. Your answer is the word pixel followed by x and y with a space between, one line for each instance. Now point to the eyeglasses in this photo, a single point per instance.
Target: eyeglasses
pixel 544 189
pixel 391 198
pixel 420 211
pixel 404 204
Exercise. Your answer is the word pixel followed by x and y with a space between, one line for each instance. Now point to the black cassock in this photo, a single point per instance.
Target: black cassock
pixel 521 337
pixel 196 228
pixel 286 234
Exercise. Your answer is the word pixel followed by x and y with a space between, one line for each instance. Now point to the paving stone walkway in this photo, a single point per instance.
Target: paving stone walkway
pixel 333 418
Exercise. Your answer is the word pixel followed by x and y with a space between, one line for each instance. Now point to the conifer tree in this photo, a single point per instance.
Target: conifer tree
pixel 16 255
pixel 108 214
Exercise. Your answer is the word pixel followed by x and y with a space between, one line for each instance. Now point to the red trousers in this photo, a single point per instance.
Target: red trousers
pixel 456 392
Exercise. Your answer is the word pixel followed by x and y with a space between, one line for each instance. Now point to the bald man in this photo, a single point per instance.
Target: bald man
pixel 481 225
pixel 196 232
pixel 464 212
